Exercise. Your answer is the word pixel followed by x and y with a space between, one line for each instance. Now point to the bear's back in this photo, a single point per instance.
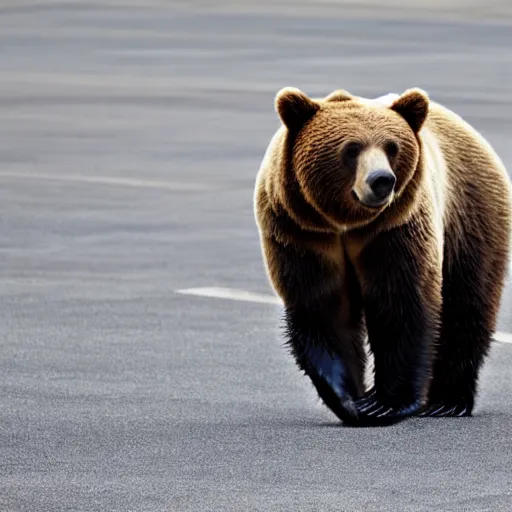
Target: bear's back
pixel 467 179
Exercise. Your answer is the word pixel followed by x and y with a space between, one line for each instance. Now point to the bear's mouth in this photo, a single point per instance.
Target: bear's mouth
pixel 372 202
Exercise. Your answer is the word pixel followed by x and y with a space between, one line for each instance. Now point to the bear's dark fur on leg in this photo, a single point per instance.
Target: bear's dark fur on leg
pixel 472 284
pixel 324 329
pixel 402 318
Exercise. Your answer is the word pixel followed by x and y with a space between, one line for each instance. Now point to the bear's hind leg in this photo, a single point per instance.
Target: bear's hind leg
pixel 472 287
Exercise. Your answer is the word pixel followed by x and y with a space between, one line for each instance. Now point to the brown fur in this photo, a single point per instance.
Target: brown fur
pixel 402 266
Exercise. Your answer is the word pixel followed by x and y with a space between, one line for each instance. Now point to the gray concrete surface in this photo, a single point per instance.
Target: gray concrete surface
pixel 129 141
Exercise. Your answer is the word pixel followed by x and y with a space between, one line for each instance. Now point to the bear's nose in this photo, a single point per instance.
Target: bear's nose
pixel 381 182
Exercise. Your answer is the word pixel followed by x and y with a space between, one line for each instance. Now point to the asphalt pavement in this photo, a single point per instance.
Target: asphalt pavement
pixel 130 137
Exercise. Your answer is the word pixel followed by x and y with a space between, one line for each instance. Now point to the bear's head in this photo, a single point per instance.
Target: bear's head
pixel 352 158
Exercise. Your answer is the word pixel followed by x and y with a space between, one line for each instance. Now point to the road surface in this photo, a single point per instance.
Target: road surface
pixel 130 137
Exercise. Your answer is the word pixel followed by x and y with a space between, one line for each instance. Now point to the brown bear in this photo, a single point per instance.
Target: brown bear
pixel 389 221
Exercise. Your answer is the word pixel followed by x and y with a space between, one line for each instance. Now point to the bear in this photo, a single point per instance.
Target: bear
pixel 384 225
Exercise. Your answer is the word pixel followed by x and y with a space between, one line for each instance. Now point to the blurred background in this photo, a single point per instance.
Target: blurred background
pixel 130 136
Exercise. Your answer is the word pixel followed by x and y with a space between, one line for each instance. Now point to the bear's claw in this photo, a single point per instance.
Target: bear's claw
pixel 366 398
pixel 373 412
pixel 441 410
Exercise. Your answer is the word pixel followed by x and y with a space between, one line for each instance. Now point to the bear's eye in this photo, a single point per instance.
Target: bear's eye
pixel 391 149
pixel 352 150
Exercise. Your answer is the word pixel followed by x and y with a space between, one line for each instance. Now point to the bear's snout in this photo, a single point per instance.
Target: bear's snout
pixel 377 190
pixel 374 180
pixel 381 183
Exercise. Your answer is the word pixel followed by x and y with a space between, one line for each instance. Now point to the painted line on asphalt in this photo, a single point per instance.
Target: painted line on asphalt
pixel 217 292
pixel 231 294
pixel 109 180
pixel 503 337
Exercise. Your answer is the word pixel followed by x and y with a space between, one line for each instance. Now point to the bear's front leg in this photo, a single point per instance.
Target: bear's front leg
pixel 333 360
pixel 323 318
pixel 400 276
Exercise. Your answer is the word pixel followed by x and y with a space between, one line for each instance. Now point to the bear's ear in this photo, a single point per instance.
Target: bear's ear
pixel 294 107
pixel 412 105
pixel 339 95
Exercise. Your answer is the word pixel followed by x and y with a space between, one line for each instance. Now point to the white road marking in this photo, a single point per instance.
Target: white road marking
pixel 109 180
pixel 231 294
pixel 503 337
pixel 242 295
